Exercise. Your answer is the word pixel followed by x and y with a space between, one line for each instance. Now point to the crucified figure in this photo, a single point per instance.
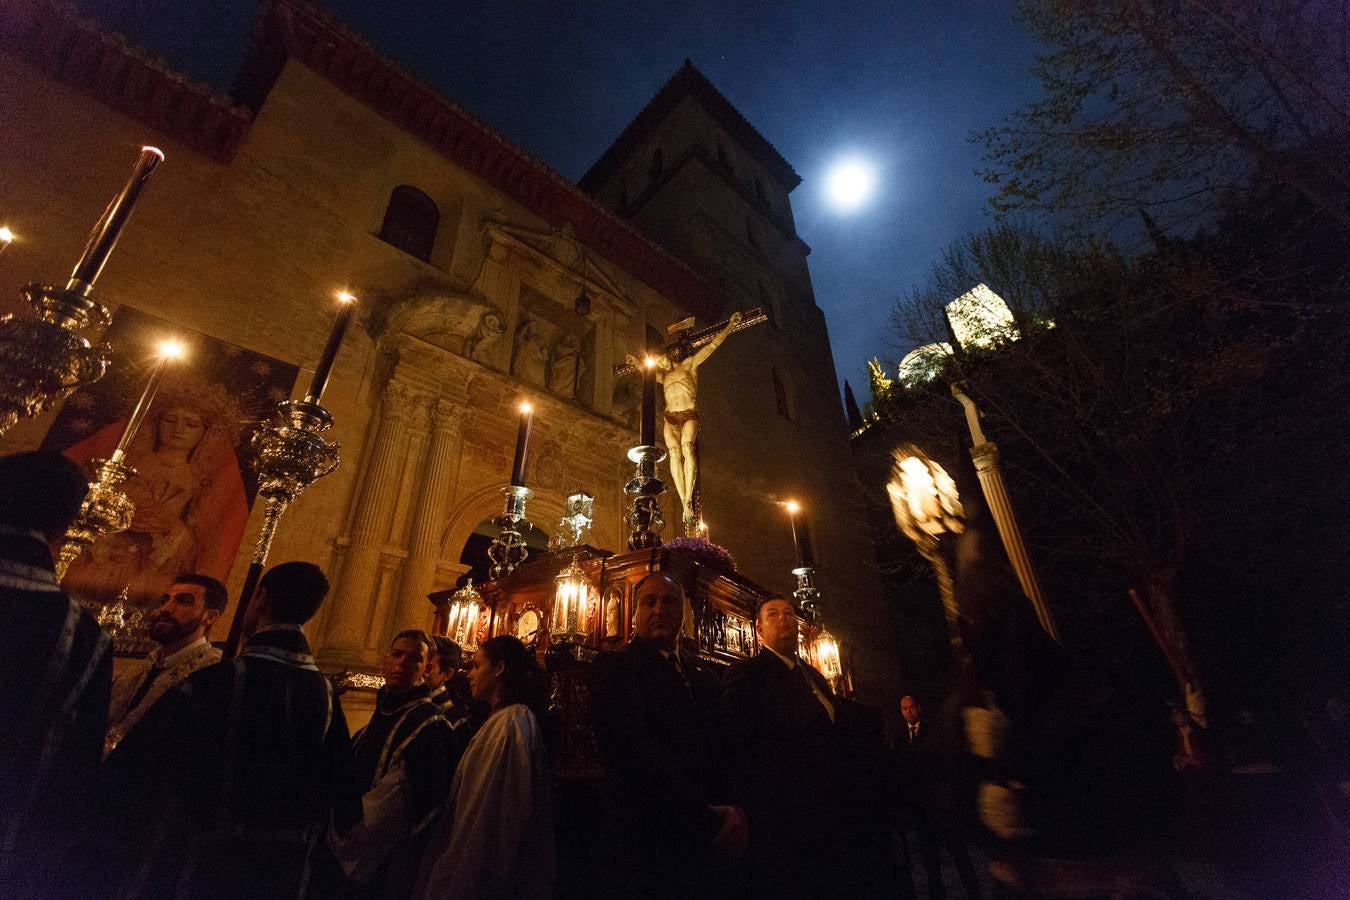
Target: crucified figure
pixel 677 373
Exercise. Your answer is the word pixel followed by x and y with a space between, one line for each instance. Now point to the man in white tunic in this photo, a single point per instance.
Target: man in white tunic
pixel 186 613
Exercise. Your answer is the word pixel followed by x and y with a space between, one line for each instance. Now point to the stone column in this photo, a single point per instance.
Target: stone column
pixel 996 495
pixel 424 550
pixel 349 621
pixel 985 454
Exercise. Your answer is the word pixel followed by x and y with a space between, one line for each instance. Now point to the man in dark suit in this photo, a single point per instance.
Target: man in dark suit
pixel 779 716
pixel 931 784
pixel 655 711
pixel 55 674
pixel 237 768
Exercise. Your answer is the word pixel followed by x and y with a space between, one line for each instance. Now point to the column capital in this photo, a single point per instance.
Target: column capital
pixel 985 456
pixel 397 400
pixel 447 415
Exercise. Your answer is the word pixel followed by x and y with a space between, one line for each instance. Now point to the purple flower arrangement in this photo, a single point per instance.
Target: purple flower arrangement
pixel 703 552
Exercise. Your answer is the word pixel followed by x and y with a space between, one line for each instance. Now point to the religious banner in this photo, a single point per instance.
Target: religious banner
pixel 193 488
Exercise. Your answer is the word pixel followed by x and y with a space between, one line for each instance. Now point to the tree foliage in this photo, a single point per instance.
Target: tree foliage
pixel 1173 418
pixel 1173 105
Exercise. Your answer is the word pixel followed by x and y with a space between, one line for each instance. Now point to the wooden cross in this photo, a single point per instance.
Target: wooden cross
pixel 687 340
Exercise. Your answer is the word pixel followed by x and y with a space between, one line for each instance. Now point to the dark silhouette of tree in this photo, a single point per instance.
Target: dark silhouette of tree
pixel 1173 105
pixel 855 418
pixel 1158 418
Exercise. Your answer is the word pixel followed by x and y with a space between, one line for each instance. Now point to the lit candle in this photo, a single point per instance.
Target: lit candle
pixel 320 381
pixel 703 530
pixel 168 351
pixel 109 226
pixel 648 438
pixel 801 535
pixel 522 445
pixel 6 238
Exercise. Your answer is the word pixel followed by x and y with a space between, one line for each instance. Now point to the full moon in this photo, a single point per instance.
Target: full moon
pixel 849 184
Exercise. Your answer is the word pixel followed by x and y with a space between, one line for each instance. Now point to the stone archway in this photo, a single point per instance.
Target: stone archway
pixel 545 509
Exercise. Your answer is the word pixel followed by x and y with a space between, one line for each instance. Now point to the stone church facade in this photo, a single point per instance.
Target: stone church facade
pixel 331 168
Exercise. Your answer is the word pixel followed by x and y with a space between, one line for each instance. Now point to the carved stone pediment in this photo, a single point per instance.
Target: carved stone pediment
pixel 460 323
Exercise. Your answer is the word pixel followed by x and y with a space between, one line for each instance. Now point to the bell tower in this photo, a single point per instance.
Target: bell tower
pixel 694 175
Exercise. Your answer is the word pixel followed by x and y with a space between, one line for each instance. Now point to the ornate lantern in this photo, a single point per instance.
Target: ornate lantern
pixel 923 497
pixel 927 507
pixel 825 655
pixel 574 529
pixel 464 617
pixel 573 602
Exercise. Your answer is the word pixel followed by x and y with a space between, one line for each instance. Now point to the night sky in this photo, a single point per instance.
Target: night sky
pixel 901 84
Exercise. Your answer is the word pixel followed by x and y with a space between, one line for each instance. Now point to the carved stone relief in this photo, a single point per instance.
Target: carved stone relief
pixel 627 399
pixel 485 337
pixel 462 324
pixel 529 360
pixel 549 466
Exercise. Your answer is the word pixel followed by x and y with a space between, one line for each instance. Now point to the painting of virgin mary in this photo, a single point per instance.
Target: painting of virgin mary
pixel 192 491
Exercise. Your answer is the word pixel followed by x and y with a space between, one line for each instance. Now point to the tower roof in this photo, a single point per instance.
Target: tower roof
pixel 689 82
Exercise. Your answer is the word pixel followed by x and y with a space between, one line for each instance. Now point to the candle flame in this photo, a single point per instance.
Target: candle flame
pixel 526 408
pixel 793 507
pixel 171 349
pixel 344 297
pixel 6 236
pixel 650 362
pixel 155 150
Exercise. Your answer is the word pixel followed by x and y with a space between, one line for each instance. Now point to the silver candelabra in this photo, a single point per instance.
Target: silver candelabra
pixel 644 489
pixel 508 549
pixel 289 455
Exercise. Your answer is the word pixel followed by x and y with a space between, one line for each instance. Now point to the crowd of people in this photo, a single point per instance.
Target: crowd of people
pixel 189 775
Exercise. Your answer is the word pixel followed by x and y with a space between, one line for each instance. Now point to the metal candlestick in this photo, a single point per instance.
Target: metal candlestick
pixel 807 594
pixel 508 548
pixel 288 455
pixel 105 510
pixel 644 518
pixel 43 360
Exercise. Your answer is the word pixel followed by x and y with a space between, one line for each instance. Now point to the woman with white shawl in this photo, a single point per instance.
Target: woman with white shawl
pixel 496 839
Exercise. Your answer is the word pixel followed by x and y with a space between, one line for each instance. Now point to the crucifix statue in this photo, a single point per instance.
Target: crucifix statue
pixel 677 373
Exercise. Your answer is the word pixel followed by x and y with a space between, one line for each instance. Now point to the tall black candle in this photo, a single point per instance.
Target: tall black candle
pixel 325 368
pixel 801 536
pixel 109 226
pixel 522 445
pixel 168 351
pixel 648 438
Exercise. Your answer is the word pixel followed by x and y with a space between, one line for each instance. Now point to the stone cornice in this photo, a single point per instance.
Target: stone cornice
pixel 52 38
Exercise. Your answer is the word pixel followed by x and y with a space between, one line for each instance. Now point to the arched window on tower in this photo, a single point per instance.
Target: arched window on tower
pixel 769 305
pixel 781 398
pixel 658 163
pixel 410 222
